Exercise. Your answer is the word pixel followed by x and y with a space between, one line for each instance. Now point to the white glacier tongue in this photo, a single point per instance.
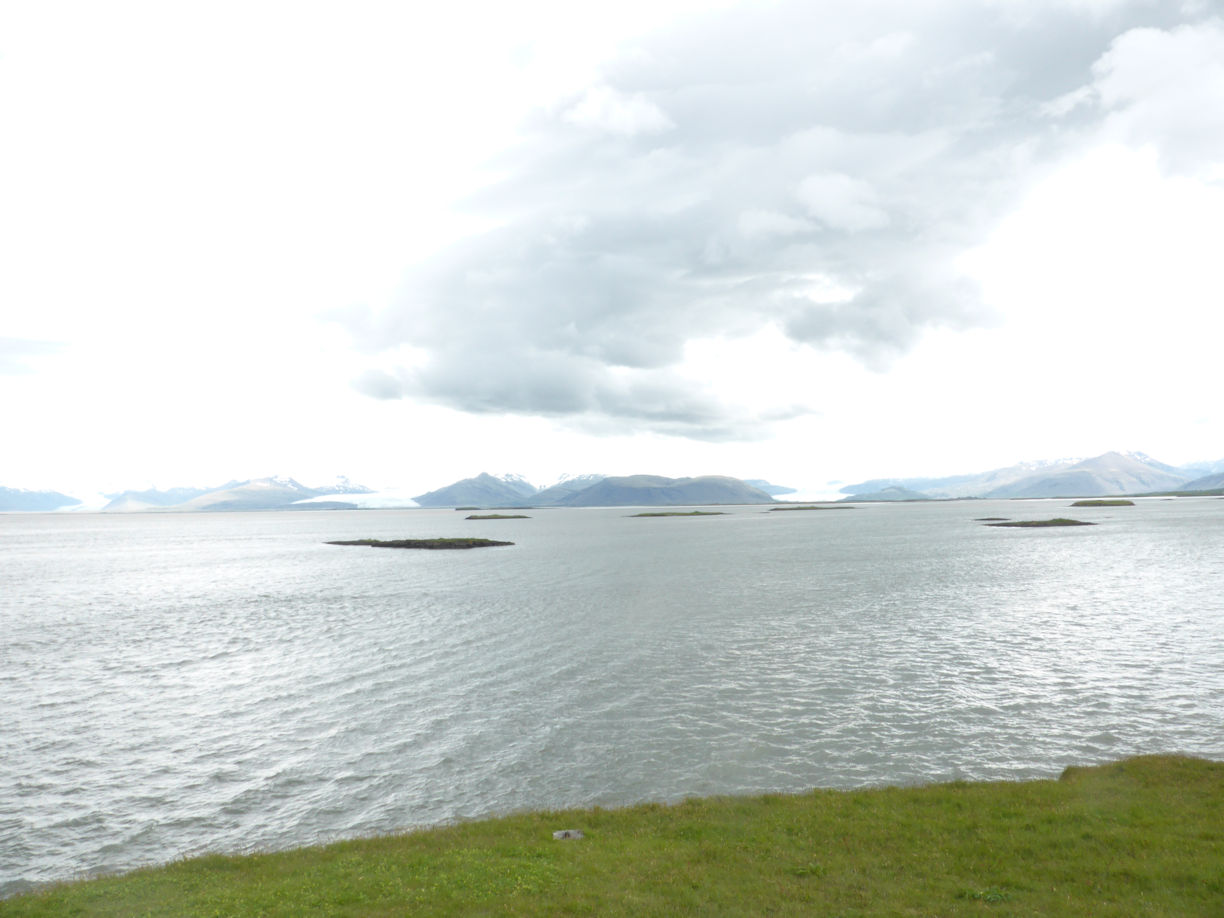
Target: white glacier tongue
pixel 364 500
pixel 341 485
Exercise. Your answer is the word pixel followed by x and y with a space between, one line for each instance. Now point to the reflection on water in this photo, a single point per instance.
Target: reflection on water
pixel 179 683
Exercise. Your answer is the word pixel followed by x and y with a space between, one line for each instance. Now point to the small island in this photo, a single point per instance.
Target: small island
pixel 813 507
pixel 990 519
pixel 497 516
pixel 1031 524
pixel 680 513
pixel 1106 502
pixel 423 543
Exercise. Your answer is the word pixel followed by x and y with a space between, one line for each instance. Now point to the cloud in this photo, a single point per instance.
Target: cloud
pixel 793 166
pixel 16 353
pixel 842 202
pixel 605 109
pixel 886 318
pixel 765 223
pixel 1166 88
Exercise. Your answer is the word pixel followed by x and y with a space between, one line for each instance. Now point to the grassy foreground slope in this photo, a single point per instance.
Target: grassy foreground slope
pixel 1139 837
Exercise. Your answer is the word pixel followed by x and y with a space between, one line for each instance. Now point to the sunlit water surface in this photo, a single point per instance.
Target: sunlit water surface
pixel 172 684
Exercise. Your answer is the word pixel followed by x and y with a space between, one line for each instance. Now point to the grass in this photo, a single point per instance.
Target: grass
pixel 1031 524
pixel 497 516
pixel 1104 502
pixel 423 543
pixel 1142 837
pixel 679 513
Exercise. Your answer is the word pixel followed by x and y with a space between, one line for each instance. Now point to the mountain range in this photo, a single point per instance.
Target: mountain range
pixel 484 490
pixel 1111 473
pixel 255 494
pixel 35 501
pixel 596 491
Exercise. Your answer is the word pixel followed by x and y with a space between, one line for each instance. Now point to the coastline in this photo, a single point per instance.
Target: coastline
pixel 1136 835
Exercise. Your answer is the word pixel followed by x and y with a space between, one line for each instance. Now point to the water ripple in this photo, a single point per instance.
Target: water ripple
pixel 179 684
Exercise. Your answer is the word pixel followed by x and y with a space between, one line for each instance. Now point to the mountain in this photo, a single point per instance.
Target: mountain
pixel 15 499
pixel 135 501
pixel 893 492
pixel 566 486
pixel 953 486
pixel 1109 473
pixel 772 490
pixel 1194 470
pixel 1206 483
pixel 257 494
pixel 342 486
pixel 518 483
pixel 656 491
pixel 482 491
pixel 594 491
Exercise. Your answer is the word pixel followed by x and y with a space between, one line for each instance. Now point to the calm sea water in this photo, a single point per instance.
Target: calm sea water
pixel 174 684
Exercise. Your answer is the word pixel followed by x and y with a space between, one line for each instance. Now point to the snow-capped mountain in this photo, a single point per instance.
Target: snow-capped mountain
pixel 484 490
pixel 564 486
pixel 518 483
pixel 19 499
pixel 1109 473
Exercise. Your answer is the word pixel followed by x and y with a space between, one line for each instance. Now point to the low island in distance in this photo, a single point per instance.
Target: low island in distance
pixel 681 513
pixel 422 543
pixel 1033 524
pixel 812 507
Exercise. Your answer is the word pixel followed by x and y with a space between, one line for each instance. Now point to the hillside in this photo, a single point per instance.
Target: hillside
pixel 151 499
pixel 1206 483
pixel 16 499
pixel 769 488
pixel 969 485
pixel 482 491
pixel 566 487
pixel 1109 473
pixel 657 491
pixel 893 492
pixel 257 494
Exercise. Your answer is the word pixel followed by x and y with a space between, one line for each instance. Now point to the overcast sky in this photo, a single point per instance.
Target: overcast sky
pixel 803 241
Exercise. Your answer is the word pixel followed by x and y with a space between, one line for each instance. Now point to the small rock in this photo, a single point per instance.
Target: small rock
pixel 564 834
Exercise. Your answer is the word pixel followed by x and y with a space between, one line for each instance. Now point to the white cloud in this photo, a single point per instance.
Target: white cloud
pixel 602 108
pixel 756 224
pixel 1109 277
pixel 575 219
pixel 1166 88
pixel 842 202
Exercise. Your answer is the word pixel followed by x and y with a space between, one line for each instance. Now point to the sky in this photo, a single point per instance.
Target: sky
pixel 405 243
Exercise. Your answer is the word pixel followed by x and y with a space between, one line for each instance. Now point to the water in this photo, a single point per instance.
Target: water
pixel 172 684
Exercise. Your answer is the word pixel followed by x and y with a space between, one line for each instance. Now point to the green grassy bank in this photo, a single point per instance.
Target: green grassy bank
pixel 1139 837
